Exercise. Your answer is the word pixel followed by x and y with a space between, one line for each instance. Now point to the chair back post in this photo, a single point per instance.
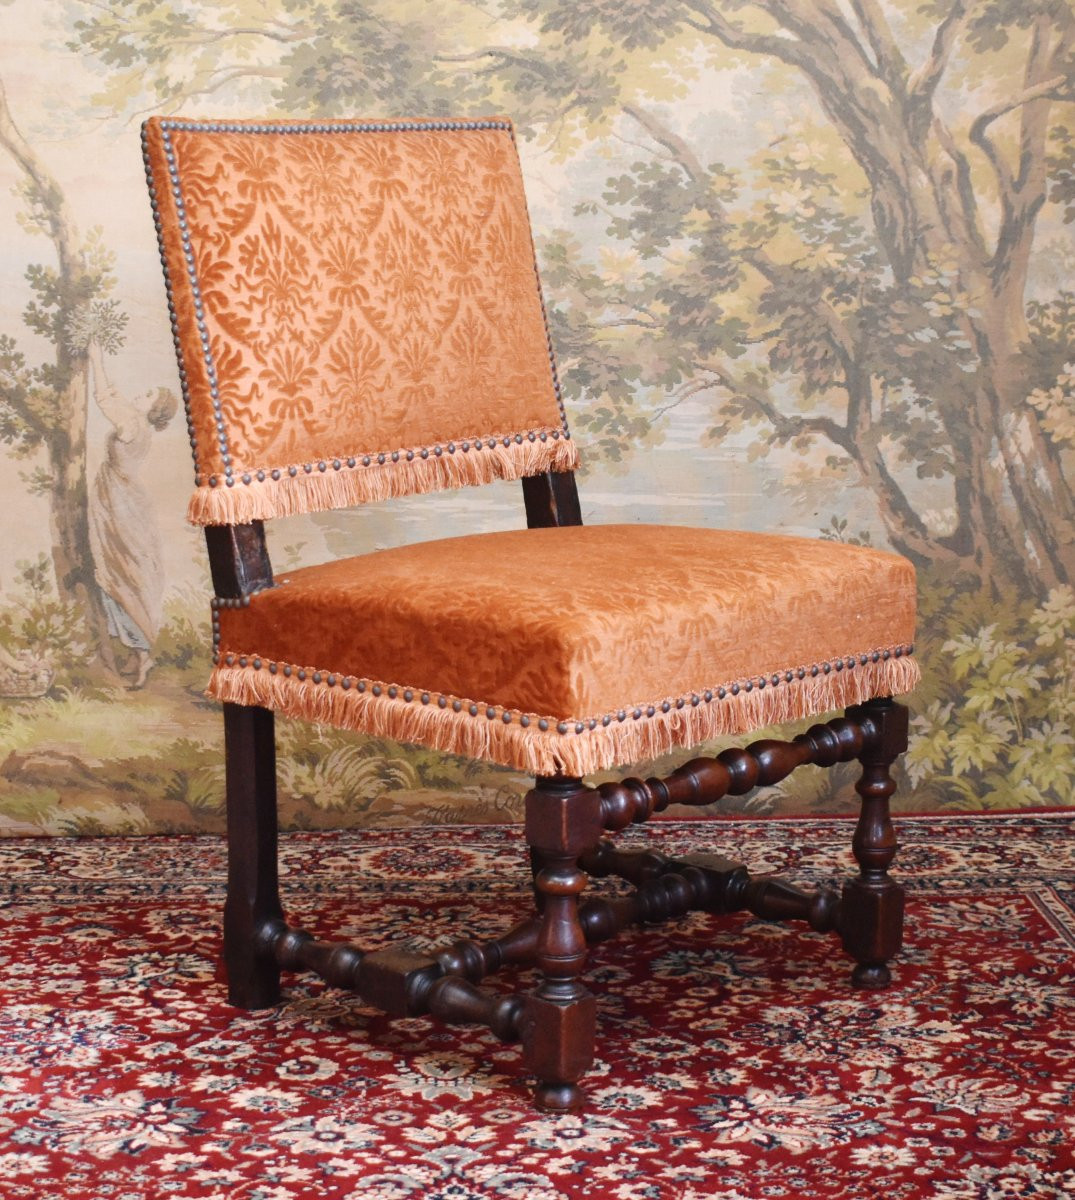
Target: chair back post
pixel 238 559
pixel 551 499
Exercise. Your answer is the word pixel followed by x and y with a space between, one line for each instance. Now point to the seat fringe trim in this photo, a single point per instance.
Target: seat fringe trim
pixel 569 746
pixel 341 482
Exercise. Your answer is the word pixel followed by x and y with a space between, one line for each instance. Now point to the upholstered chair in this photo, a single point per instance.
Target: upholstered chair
pixel 357 315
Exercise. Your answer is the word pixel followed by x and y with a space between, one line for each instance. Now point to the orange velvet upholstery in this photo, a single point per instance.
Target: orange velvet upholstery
pixel 576 648
pixel 357 315
pixel 356 310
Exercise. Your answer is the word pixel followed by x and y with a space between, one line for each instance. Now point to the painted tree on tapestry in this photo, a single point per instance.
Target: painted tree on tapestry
pixel 43 409
pixel 102 576
pixel 851 294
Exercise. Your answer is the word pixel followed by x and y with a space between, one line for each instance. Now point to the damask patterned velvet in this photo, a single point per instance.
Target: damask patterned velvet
pixel 356 310
pixel 357 314
pixel 579 647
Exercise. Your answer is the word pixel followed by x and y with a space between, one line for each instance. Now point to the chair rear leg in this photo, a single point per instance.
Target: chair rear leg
pixel 559 1020
pixel 871 908
pixel 252 908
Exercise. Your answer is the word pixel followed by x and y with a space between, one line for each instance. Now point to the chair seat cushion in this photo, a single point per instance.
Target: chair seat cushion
pixel 574 649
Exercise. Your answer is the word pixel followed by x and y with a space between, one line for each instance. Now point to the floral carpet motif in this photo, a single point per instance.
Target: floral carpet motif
pixel 734 1059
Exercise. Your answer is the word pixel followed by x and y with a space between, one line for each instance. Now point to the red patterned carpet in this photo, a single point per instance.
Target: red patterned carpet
pixel 734 1060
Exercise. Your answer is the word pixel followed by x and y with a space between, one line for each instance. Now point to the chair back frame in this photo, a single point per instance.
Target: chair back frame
pixel 239 555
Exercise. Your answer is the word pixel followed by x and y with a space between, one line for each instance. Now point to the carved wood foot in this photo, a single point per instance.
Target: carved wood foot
pixel 871 907
pixel 252 908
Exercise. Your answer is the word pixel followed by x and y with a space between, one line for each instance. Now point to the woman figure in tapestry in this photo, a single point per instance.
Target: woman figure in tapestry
pixel 124 537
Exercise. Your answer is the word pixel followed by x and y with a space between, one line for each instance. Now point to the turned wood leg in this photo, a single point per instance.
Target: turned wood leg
pixel 563 819
pixel 252 909
pixel 537 861
pixel 871 907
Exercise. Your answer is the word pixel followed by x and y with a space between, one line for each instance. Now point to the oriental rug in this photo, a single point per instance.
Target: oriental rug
pixel 735 1061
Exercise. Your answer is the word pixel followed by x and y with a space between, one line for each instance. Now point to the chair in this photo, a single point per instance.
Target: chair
pixel 357 315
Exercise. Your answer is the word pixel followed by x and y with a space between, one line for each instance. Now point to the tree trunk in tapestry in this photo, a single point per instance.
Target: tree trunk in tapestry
pixel 46 407
pixel 105 549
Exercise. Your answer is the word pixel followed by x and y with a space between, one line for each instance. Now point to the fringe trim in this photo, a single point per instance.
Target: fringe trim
pixel 550 745
pixel 334 483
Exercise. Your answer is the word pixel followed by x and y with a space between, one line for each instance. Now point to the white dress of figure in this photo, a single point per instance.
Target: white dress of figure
pixel 124 538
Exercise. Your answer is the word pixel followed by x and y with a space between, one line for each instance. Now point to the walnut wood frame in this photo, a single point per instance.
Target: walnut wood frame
pixel 565 823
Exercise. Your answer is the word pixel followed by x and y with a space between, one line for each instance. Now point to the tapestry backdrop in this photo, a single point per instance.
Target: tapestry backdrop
pixel 810 268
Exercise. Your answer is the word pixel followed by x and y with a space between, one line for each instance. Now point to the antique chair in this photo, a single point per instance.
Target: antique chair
pixel 357 315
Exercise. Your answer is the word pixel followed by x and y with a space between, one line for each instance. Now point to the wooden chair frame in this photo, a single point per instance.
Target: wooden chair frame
pixel 564 824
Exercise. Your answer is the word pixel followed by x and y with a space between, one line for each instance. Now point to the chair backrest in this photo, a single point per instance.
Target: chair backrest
pixel 356 310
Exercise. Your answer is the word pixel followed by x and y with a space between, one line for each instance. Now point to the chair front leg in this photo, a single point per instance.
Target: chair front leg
pixel 563 820
pixel 871 907
pixel 252 909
